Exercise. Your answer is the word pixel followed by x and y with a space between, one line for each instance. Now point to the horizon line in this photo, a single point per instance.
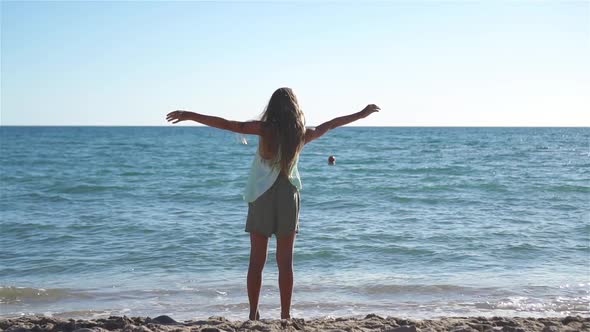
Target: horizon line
pixel 398 126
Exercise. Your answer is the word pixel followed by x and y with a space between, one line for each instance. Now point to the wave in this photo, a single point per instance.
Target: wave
pixel 524 247
pixel 417 289
pixel 570 305
pixel 39 196
pixel 567 188
pixel 87 188
pixel 320 297
pixel 14 295
pixel 449 170
pixel 420 200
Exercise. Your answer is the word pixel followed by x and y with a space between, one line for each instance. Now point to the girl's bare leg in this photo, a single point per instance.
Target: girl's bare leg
pixel 285 246
pixel 258 252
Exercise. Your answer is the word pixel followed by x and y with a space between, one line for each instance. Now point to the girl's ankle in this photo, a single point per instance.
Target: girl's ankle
pixel 255 316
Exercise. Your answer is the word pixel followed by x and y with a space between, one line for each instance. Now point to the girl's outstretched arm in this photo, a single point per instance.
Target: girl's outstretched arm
pixel 250 127
pixel 311 134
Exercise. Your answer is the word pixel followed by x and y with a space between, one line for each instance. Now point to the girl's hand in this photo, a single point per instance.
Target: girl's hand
pixel 371 108
pixel 177 116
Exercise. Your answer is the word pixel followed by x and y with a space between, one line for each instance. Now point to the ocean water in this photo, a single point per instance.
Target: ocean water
pixel 410 222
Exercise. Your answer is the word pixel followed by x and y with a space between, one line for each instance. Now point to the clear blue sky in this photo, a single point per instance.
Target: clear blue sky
pixel 426 63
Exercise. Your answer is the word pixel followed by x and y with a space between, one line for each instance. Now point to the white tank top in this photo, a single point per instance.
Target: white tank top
pixel 263 175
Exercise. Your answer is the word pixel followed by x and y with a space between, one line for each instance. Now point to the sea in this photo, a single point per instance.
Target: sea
pixel 409 222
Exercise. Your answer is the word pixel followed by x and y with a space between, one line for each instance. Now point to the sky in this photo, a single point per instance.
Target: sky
pixel 425 63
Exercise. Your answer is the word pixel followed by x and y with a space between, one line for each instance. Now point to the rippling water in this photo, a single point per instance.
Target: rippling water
pixel 417 222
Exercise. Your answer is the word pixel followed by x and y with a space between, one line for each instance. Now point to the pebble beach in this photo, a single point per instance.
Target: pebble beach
pixel 370 322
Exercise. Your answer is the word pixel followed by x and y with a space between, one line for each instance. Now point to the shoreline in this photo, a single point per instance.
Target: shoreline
pixel 370 322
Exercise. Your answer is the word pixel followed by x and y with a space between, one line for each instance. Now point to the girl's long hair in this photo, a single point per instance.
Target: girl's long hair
pixel 287 128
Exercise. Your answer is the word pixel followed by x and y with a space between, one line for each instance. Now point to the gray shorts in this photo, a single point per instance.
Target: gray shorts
pixel 276 211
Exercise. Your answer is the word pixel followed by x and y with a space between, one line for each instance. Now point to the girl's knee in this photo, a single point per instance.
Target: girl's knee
pixel 286 270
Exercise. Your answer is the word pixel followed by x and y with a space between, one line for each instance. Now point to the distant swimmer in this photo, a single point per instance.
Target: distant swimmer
pixel 331 160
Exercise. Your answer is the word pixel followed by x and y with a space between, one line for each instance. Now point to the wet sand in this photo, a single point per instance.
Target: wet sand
pixel 368 323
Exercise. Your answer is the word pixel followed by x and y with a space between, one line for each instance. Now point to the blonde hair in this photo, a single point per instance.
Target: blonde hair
pixel 286 124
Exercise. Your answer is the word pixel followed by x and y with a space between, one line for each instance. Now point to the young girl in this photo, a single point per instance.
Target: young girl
pixel 273 186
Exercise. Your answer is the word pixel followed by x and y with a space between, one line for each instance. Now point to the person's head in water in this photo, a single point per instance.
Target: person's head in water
pixel 331 160
pixel 286 123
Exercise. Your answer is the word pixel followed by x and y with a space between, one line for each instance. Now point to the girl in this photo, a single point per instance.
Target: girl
pixel 273 186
